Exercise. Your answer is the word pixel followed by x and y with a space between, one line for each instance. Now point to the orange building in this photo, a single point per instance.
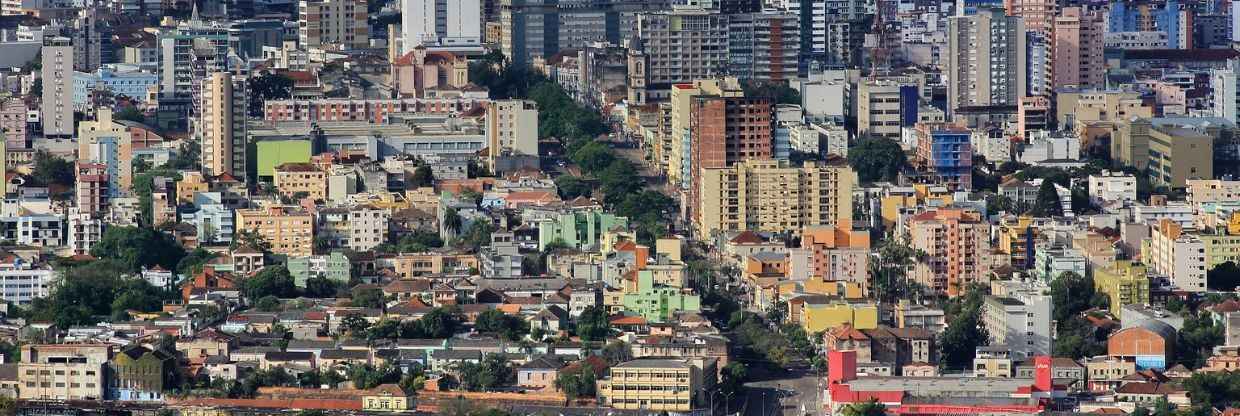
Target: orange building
pixel 957 249
pixel 838 253
pixel 1150 343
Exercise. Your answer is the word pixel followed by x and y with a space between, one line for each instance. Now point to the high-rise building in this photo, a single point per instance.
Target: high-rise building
pixel 1177 255
pixel 677 46
pixel 957 247
pixel 441 23
pixel 1078 47
pixel 945 155
pixel 110 144
pixel 512 129
pixel 1018 316
pixel 290 230
pixel 87 41
pixel 771 195
pixel 57 78
pixel 177 49
pixel 334 24
pixel 92 188
pixel 986 60
pixel 724 131
pixel 222 124
pixel 1038 15
pixel 885 106
pixel 538 29
pixel 764 46
pixel 682 98
pixel 832 31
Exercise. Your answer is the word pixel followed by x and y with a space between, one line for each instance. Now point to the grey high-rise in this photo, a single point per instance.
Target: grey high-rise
pixel 985 60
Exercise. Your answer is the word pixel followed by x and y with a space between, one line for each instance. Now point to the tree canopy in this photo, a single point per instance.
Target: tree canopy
pixel 1223 277
pixel 964 331
pixel 877 159
pixel 270 281
pixel 95 291
pixel 496 322
pixel 494 371
pixel 138 247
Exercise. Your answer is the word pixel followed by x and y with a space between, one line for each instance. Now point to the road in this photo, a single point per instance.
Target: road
pixel 793 393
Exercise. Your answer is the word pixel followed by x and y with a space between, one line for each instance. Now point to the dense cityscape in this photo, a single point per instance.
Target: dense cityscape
pixel 619 207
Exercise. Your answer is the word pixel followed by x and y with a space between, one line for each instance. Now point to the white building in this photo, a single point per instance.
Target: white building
pixel 21 281
pixel 1045 146
pixel 84 231
pixel 159 277
pixel 1050 262
pixel 827 98
pixel 1178 212
pixel 441 23
pixel 1178 256
pixel 512 129
pixel 368 227
pixel 1110 188
pixel 1223 85
pixel 57 78
pixel 1018 315
pixel 1135 40
pixel 995 148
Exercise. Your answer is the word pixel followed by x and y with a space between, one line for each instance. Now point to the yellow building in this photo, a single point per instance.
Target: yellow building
pixel 387 398
pixel 106 141
pixel 1124 283
pixel 682 105
pixel 289 230
pixel 1076 109
pixel 1016 236
pixel 1172 154
pixel 658 384
pixel 191 183
pixel 769 195
pixel 818 317
pixel 898 199
pixel 301 180
pixel 1221 248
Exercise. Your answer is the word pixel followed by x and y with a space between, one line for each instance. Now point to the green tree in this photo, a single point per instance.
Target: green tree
pixel 52 170
pixel 270 281
pixel 321 287
pixel 137 247
pixel 1197 339
pixel 734 376
pixel 1224 277
pixel 496 322
pixel 616 352
pixel 267 304
pixel 194 261
pixel 593 324
pixel 422 177
pixel 477 235
pixel 366 376
pixel 494 371
pixel 888 273
pixel 369 297
pixel 354 324
pixel 866 408
pixel 94 291
pixel 269 86
pixel 130 113
pixel 1047 203
pixel 570 186
pixel 440 322
pixel 964 331
pixel 577 382
pixel 144 185
pixel 877 159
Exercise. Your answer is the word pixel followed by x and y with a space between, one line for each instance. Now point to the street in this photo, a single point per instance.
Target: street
pixel 793 393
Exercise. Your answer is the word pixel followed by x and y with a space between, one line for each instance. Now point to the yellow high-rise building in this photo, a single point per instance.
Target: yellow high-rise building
pixel 289 230
pixel 1124 283
pixel 770 195
pixel 681 108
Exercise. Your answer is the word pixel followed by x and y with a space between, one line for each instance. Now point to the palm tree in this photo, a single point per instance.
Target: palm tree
pixel 867 408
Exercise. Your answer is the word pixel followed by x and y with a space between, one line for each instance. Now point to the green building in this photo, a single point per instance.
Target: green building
pixel 140 374
pixel 657 303
pixel 580 230
pixel 275 152
pixel 334 266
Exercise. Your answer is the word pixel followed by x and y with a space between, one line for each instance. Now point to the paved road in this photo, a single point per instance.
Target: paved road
pixel 794 393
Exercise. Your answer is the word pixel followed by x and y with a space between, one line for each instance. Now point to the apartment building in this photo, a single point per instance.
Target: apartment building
pixel 884 107
pixel 1201 191
pixel 63 371
pixel 944 154
pixel 289 230
pixel 957 247
pixel 1108 188
pixel 1018 315
pixel 512 129
pixel 440 23
pixel 1076 108
pixel 93 193
pixel 538 29
pixel 1078 46
pixel 725 131
pixel 333 24
pixel 13 122
pixel 675 385
pixel 838 253
pixel 368 227
pixel 57 79
pixel 222 126
pixel 1173 154
pixel 677 46
pixel 301 180
pixel 988 36
pixel 681 118
pixel 1124 283
pixel 1039 15
pixel 768 195
pixel 1179 256
pixel 22 281
pixel 764 46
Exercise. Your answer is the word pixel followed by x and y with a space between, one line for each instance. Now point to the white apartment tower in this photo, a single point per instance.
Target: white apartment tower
pixel 986 60
pixel 441 23
pixel 222 124
pixel 57 79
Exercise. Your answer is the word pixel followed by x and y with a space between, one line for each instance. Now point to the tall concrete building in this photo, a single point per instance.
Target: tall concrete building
pixel 957 247
pixel 677 46
pixel 222 125
pixel 57 78
pixel 538 29
pixel 986 61
pixel 885 106
pixel 770 195
pixel 724 131
pixel 1018 315
pixel 177 49
pixel 333 24
pixel 764 46
pixel 440 23
pixel 832 31
pixel 63 371
pixel 1039 15
pixel 1078 46
pixel 512 129
pixel 1177 255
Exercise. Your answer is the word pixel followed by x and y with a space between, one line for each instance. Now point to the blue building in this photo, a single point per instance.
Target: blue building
pixel 130 83
pixel 945 154
pixel 211 218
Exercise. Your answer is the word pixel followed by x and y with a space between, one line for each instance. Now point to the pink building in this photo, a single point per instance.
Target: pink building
pixel 13 122
pixel 1039 15
pixel 420 70
pixel 1077 49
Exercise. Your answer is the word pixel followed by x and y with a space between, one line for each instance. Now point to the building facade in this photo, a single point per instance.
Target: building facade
pixel 768 195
